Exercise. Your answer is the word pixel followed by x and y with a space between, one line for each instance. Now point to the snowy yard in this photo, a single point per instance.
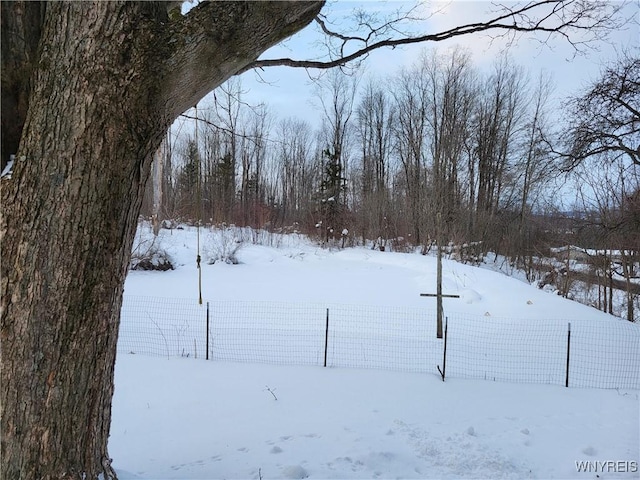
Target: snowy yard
pixel 195 419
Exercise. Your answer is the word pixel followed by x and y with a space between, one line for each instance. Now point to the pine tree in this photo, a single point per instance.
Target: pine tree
pixel 332 188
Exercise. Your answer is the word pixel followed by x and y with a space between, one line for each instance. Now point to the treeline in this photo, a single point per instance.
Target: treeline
pixel 439 152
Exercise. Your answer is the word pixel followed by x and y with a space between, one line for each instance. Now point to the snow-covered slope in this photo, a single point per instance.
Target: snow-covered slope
pixel 297 270
pixel 189 418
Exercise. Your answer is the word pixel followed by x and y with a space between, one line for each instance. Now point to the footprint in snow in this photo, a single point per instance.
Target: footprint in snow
pixel 294 472
pixel 454 455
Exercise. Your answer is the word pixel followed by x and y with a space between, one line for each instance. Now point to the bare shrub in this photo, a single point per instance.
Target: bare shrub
pixel 149 254
pixel 223 244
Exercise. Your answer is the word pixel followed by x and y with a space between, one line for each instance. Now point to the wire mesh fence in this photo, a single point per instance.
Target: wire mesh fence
pixel 580 353
pixel 162 327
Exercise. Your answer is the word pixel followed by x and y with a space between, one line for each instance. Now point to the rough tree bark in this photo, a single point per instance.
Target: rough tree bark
pixel 108 79
pixel 20 32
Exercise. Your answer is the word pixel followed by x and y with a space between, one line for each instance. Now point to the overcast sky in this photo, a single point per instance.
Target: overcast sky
pixel 289 91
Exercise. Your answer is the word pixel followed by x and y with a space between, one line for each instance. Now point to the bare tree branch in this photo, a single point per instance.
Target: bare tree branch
pixel 595 19
pixel 605 120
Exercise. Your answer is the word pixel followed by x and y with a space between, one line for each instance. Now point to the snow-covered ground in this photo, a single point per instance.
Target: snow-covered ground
pixel 195 419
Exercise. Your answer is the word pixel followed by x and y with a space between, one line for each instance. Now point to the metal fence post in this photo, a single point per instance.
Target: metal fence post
pixel 207 339
pixel 566 381
pixel 326 339
pixel 444 354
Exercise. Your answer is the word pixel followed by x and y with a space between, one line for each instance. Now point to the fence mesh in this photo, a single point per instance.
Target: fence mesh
pixel 265 332
pixel 162 326
pixel 600 354
pixel 507 350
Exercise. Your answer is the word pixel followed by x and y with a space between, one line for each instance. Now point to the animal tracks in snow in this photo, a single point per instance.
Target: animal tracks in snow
pixel 197 463
pixel 459 453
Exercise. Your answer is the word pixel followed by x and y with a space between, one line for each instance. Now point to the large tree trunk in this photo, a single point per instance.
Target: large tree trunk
pixel 110 78
pixel 71 212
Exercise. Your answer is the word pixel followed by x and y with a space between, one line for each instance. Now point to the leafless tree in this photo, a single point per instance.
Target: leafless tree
pixel 497 120
pixel 605 119
pixel 375 116
pixel 609 194
pixel 532 171
pixel 410 104
pixel 451 92
pixel 297 178
pixel 159 195
pixel 253 151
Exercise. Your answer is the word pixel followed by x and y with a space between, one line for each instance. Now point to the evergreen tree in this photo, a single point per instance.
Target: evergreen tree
pixel 187 181
pixel 332 188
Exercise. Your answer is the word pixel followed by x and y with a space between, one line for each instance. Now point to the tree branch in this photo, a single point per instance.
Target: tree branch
pixel 606 119
pixel 555 17
pixel 215 40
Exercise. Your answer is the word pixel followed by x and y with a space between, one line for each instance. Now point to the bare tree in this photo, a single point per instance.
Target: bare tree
pixel 533 170
pixel 410 103
pixel 604 131
pixel 296 175
pixel 162 185
pixel 375 118
pixel 212 140
pixel 609 194
pixel 448 91
pixel 228 113
pixel 498 118
pixel 606 118
pixel 535 165
pixel 253 193
pixel 451 92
